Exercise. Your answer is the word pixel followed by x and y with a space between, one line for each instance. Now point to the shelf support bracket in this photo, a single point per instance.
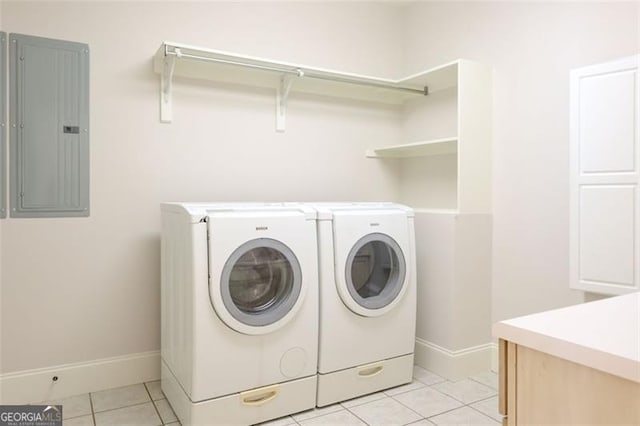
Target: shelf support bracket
pixel 286 81
pixel 166 83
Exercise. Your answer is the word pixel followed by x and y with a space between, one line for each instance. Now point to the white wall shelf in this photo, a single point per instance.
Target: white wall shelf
pixel 429 179
pixel 451 197
pixel 176 59
pixel 416 149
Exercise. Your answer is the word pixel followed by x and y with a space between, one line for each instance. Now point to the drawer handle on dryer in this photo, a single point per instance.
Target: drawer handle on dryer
pixel 370 370
pixel 257 397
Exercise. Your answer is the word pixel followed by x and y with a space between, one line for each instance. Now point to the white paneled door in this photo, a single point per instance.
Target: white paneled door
pixel 605 197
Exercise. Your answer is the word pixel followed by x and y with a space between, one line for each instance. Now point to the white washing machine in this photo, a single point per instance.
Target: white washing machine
pixel 239 311
pixel 367 298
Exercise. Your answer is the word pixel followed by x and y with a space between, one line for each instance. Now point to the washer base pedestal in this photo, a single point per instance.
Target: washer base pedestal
pixel 278 400
pixel 364 379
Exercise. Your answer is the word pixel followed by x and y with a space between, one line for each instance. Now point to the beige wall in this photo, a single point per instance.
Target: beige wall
pixel 81 289
pixel 532 46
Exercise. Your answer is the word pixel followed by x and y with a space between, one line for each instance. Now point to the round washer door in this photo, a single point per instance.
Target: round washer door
pixel 375 273
pixel 260 287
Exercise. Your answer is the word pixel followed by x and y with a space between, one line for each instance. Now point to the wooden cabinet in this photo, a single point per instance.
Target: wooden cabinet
pixel 605 177
pixel 539 388
pixel 578 365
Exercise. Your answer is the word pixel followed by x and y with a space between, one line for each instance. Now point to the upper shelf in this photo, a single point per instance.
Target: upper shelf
pixel 174 59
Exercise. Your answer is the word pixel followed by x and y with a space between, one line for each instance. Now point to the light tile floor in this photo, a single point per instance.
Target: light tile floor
pixel 428 400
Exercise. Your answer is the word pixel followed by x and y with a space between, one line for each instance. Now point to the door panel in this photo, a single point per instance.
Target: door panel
pixel 604 178
pixel 607 227
pixel 607 125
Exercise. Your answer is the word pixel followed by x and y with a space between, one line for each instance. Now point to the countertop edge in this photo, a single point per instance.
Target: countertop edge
pixel 600 360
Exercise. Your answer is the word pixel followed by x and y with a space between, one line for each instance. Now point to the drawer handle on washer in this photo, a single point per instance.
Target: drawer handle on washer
pixel 260 396
pixel 370 370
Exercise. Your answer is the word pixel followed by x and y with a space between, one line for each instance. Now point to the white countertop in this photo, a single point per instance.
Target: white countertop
pixel 604 335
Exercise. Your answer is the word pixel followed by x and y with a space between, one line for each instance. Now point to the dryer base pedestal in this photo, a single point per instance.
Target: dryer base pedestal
pixel 364 379
pixel 242 408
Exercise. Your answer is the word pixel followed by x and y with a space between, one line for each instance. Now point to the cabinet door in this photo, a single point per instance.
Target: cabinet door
pixel 49 127
pixel 605 154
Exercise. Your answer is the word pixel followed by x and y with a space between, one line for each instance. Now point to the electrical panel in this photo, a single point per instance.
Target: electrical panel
pixel 3 126
pixel 49 127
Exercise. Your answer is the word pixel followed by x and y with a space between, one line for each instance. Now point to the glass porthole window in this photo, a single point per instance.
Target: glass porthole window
pixel 260 282
pixel 375 271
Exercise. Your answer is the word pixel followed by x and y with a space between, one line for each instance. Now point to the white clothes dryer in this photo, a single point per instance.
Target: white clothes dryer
pixel 367 298
pixel 239 311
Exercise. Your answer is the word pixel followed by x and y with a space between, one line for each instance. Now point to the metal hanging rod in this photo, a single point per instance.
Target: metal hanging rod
pixel 298 72
pixel 368 83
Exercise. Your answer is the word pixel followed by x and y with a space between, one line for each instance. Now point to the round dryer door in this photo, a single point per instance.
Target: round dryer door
pixel 260 286
pixel 375 275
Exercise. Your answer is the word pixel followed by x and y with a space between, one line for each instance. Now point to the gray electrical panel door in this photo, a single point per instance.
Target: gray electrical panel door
pixel 3 129
pixel 49 127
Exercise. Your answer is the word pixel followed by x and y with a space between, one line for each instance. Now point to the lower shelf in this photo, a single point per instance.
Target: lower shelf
pixel 416 149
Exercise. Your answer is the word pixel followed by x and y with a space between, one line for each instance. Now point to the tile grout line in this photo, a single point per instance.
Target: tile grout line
pixel 484 414
pixel 424 385
pixel 341 407
pixel 172 410
pixel 418 421
pixel 93 413
pixel 477 381
pixel 120 408
pixel 447 411
pixel 80 415
pixel 434 383
pixel 462 402
pixel 406 406
pixel 384 395
pixel 444 412
pixel 421 419
pixel 465 403
pixel 483 399
pixel 457 408
pixel 357 417
pixel 392 398
pixel 154 404
pixel 327 414
pixel 319 415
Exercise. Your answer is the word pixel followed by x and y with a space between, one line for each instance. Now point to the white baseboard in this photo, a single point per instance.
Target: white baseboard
pixel 494 357
pixel 453 365
pixel 32 386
